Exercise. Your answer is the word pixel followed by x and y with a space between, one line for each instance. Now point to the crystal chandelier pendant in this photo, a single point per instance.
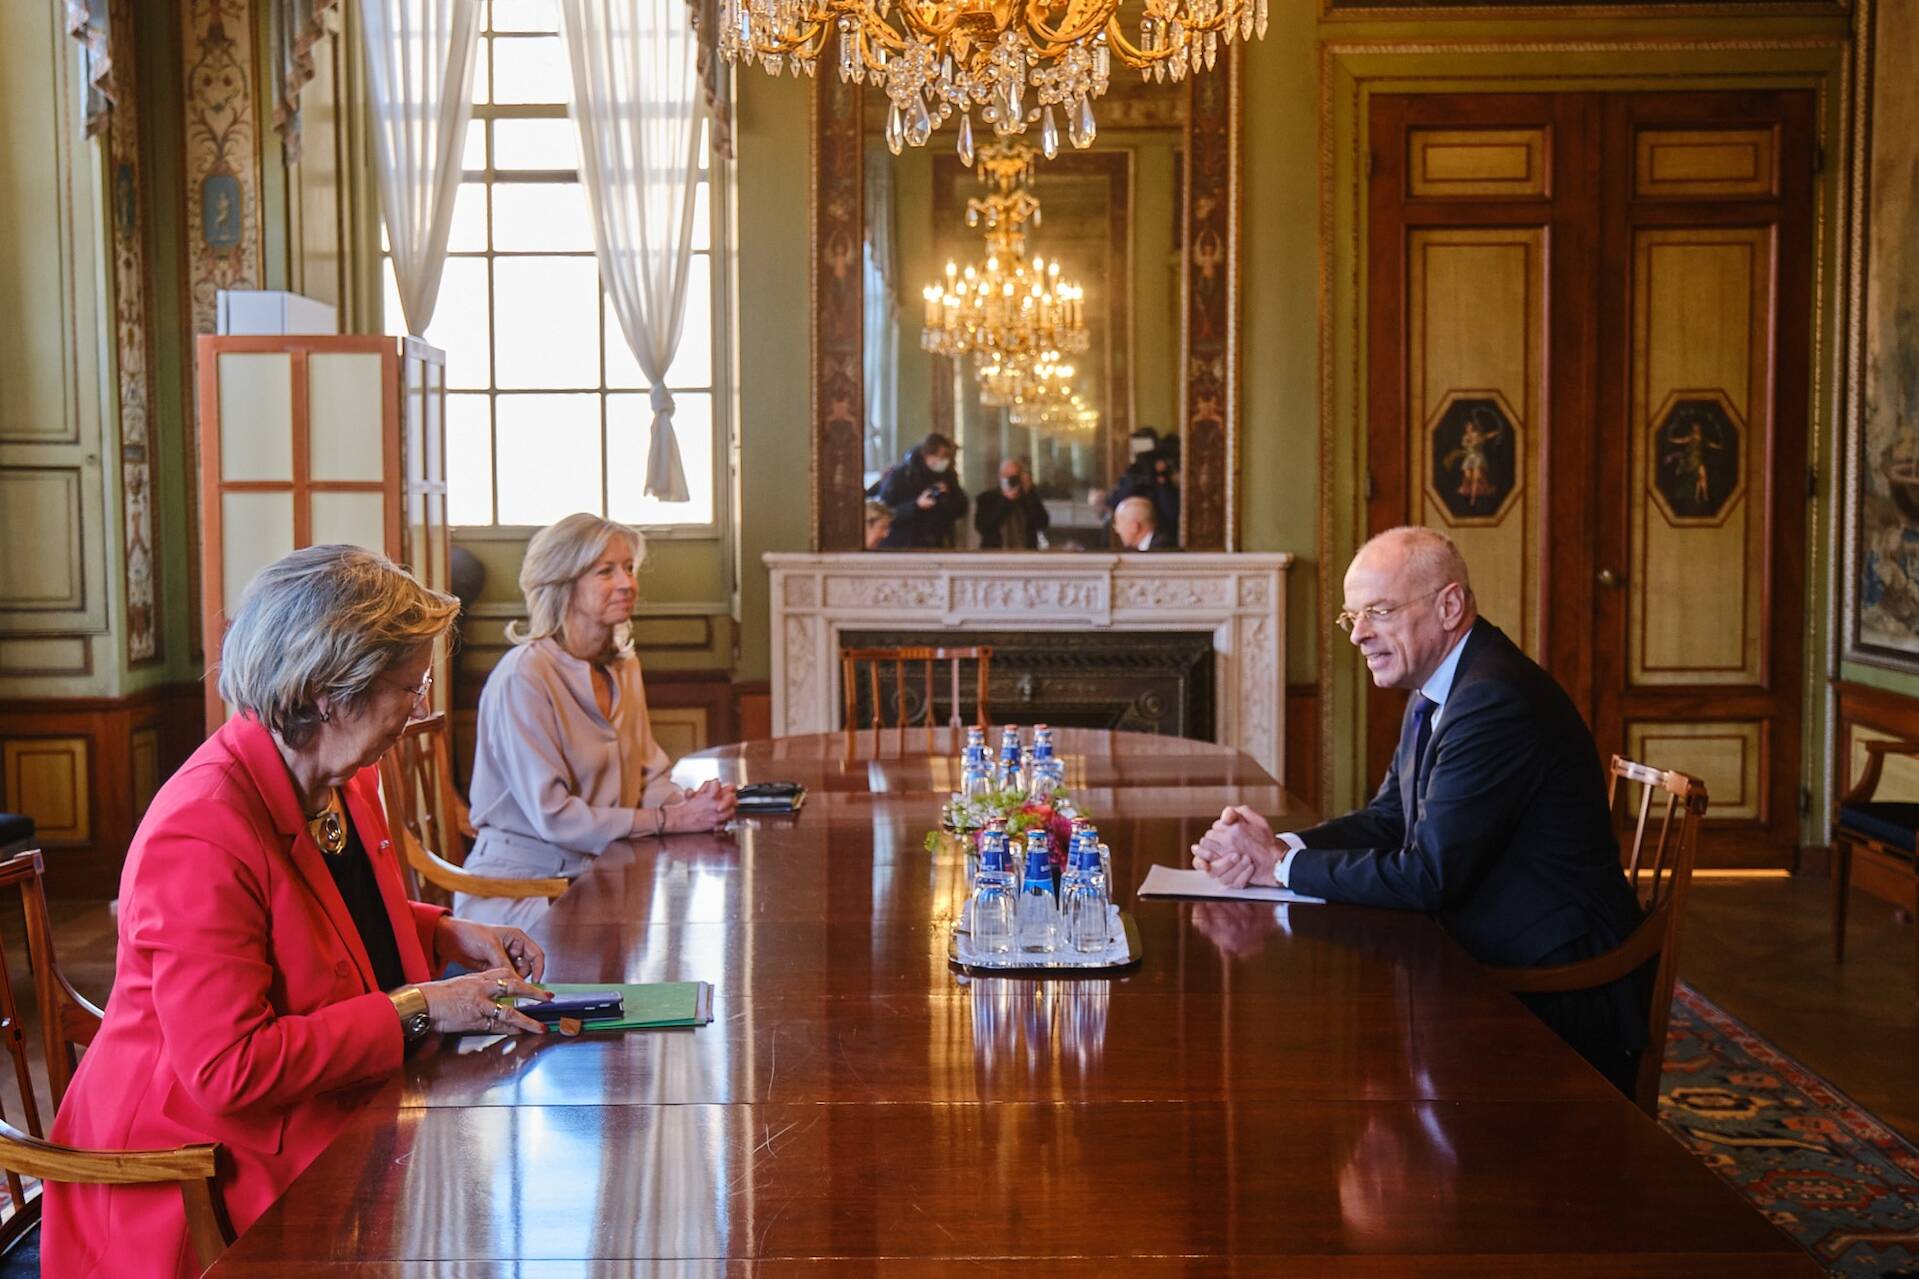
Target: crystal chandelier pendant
pixel 895 129
pixel 919 125
pixel 965 144
pixel 1048 134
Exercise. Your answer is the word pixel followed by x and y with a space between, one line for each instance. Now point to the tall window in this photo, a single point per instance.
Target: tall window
pixel 547 411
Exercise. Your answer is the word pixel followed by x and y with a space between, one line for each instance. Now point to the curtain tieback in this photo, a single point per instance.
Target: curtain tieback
pixel 662 399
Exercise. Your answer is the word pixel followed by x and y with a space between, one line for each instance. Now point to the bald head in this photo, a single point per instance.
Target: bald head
pixel 1409 601
pixel 1133 520
pixel 1421 559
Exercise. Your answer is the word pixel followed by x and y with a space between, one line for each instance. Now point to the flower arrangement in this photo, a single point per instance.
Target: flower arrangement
pixel 968 819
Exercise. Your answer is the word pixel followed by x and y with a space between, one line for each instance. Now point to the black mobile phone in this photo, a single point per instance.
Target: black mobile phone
pixel 589 1005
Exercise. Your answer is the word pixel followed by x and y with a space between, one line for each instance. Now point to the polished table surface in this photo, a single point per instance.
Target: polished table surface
pixel 1313 1089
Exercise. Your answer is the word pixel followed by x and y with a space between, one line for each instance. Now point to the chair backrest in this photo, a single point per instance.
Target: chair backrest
pixel 1662 876
pixel 1682 798
pixel 67 1020
pixel 416 780
pixel 912 675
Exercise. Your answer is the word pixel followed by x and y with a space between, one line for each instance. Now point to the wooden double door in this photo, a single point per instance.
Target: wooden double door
pixel 1588 358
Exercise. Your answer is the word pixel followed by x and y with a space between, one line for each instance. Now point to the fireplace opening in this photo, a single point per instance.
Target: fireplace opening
pixel 1139 681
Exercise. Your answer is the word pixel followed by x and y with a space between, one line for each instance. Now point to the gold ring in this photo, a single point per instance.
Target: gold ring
pixel 501 983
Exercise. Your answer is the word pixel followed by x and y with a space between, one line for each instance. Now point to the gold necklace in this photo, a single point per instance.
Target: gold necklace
pixel 328 827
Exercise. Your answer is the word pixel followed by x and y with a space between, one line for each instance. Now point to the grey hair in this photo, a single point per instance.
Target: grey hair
pixel 325 621
pixel 1140 511
pixel 555 559
pixel 1432 560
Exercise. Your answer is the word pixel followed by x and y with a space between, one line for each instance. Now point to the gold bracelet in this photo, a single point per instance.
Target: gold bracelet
pixel 410 1003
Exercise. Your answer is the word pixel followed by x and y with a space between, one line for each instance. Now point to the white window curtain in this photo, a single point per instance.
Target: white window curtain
pixel 637 102
pixel 419 56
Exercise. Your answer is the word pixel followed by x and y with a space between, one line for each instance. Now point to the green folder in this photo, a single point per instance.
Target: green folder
pixel 649 1005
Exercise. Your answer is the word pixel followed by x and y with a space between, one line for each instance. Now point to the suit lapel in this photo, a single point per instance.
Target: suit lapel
pixel 254 747
pixel 368 820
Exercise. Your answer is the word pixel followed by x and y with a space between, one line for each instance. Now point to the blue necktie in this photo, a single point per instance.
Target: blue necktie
pixel 1423 708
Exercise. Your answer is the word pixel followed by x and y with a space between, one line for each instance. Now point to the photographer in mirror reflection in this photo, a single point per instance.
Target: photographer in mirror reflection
pixel 1011 517
pixel 923 496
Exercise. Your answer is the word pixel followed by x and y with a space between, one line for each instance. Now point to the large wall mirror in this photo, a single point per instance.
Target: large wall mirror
pixel 1144 223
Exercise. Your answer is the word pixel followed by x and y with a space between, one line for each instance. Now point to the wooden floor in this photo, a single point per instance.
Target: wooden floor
pixel 1761 949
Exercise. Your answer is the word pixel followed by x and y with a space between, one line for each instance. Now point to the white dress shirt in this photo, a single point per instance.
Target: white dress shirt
pixel 1435 690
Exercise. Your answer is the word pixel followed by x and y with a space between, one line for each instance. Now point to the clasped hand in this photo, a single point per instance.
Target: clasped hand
pixel 1238 850
pixel 709 806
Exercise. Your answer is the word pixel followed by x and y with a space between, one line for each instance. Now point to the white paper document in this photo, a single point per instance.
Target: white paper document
pixel 1165 881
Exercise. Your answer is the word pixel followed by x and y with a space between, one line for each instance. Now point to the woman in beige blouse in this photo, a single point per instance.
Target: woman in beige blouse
pixel 566 761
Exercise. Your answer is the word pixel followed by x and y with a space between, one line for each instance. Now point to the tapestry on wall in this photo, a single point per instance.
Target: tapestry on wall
pixel 1884 559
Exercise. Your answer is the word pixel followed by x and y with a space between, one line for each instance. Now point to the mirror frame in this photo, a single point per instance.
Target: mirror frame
pixel 1209 306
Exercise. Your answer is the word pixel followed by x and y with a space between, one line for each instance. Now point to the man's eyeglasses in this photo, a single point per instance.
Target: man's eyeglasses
pixel 1377 613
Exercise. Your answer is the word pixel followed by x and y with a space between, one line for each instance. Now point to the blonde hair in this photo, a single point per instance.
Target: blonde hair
pixel 325 621
pixel 878 513
pixel 555 559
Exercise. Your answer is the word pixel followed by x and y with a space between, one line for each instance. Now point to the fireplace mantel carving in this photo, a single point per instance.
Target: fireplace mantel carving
pixel 1239 599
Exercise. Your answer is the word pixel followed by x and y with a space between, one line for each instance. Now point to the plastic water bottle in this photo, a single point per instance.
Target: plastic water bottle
pixel 1038 909
pixel 995 919
pixel 1011 773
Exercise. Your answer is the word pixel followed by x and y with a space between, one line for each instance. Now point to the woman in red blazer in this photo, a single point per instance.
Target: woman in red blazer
pixel 270 968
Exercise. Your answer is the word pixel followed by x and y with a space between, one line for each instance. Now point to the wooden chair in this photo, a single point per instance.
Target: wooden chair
pixel 67 1022
pixel 416 778
pixel 1668 867
pixel 872 660
pixel 1884 833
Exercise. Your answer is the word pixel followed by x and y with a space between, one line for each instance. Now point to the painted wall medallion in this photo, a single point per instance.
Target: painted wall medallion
pixel 1475 459
pixel 1697 464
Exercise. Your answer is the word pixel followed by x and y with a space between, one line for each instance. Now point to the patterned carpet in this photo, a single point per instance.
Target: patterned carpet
pixel 1829 1174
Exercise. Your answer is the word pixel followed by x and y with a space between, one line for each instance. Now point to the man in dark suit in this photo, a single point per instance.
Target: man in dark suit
pixel 1136 525
pixel 1493 816
pixel 1012 516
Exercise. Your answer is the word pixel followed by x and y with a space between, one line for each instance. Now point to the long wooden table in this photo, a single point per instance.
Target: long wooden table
pixel 1313 1089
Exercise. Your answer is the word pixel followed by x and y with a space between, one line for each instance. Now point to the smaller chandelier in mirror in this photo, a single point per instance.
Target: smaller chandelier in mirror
pixel 1010 306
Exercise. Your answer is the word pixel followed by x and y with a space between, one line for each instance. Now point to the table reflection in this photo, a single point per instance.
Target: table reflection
pixel 1030 1029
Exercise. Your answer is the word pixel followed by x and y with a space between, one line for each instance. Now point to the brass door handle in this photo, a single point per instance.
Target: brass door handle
pixel 1608 578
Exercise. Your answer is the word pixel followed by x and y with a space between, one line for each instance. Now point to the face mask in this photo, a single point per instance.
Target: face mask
pixel 938 465
pixel 1140 446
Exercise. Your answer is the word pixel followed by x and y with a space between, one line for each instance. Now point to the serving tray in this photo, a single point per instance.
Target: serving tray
pixel 1060 963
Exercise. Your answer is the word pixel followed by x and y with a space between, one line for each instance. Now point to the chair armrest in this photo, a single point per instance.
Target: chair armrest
pixel 443 874
pixel 48 1161
pixel 1868 784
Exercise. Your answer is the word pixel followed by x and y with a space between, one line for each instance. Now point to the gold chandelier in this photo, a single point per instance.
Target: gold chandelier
pixel 937 57
pixel 1012 307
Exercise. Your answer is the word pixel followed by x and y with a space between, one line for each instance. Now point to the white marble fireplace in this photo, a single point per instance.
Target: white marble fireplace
pixel 1239 599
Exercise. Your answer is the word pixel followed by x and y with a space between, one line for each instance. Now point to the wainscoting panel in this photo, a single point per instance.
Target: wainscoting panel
pixel 85 770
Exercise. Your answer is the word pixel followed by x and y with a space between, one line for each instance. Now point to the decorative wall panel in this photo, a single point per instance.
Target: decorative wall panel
pixel 1728 756
pixel 1458 163
pixel 46 778
pixel 49 576
pixel 222 153
pixel 133 345
pixel 1476 301
pixel 1716 163
pixel 1210 456
pixel 1701 339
